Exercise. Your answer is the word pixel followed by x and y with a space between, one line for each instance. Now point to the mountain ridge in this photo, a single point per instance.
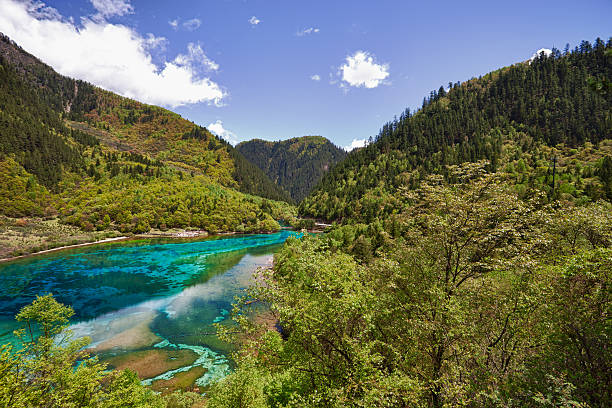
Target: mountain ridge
pixel 295 164
pixel 511 115
pixel 148 129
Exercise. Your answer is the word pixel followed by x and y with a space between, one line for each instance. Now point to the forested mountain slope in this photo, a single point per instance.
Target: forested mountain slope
pixel 100 161
pixel 512 117
pixel 295 164
pixel 39 96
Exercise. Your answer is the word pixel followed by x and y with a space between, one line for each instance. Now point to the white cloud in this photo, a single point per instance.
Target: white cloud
pixel 110 8
pixel 315 77
pixel 254 21
pixel 41 10
pixel 218 129
pixel 193 24
pixel 546 52
pixel 153 42
pixel 355 144
pixel 189 25
pixel 307 31
pixel 112 56
pixel 195 58
pixel 361 69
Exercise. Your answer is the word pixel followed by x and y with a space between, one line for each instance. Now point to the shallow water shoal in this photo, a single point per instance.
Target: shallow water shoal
pixel 144 295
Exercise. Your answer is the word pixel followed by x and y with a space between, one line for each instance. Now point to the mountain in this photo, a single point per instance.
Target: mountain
pixel 470 267
pixel 519 118
pixel 296 164
pixel 101 161
pixel 69 105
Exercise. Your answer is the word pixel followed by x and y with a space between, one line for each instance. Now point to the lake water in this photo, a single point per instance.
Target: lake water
pixel 145 299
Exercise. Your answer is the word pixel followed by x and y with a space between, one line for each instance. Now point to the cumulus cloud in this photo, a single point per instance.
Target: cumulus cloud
pixel 355 144
pixel 546 52
pixel 306 31
pixel 110 8
pixel 315 77
pixel 112 56
pixel 254 21
pixel 218 129
pixel 361 69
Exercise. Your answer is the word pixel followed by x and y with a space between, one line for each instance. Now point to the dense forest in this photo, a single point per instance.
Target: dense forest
pixel 470 296
pixel 99 161
pixel 295 164
pixel 516 117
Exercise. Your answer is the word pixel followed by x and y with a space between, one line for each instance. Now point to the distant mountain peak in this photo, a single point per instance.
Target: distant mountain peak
pixel 295 164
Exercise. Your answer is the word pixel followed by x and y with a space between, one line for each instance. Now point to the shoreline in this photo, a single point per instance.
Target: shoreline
pixel 102 241
pixel 184 234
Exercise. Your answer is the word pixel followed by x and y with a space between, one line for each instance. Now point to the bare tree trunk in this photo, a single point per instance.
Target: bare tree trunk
pixel 436 388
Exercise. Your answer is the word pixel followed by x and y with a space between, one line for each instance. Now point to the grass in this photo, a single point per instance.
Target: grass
pixel 23 236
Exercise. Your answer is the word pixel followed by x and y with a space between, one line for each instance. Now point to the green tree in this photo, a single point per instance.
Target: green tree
pixel 605 175
pixel 53 370
pixel 576 325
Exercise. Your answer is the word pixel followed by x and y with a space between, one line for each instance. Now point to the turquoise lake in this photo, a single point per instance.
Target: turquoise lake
pixel 155 294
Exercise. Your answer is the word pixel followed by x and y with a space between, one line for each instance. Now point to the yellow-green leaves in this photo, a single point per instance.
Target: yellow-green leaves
pixel 46 312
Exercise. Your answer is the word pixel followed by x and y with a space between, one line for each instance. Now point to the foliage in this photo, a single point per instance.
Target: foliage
pixel 451 282
pixel 135 198
pixel 601 85
pixel 20 193
pixel 33 131
pixel 52 370
pixel 484 284
pixel 468 297
pixel 251 179
pixel 577 308
pixel 131 193
pixel 121 165
pixel 241 390
pixel 166 136
pixel 179 399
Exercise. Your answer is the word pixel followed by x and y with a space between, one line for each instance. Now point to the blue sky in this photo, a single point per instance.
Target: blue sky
pixel 245 68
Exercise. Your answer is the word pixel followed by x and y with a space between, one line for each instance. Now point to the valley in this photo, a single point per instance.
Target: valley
pixel 462 255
